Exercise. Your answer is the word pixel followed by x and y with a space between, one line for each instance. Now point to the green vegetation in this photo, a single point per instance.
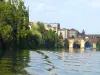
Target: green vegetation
pixel 39 37
pixel 15 31
pixel 14 19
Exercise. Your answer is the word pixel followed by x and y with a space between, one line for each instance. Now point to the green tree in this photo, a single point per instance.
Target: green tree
pixel 41 27
pixel 14 20
pixel 14 29
pixel 50 39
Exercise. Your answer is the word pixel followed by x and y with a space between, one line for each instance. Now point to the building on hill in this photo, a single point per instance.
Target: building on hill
pixel 56 27
pixel 48 26
pixel 52 26
pixel 63 32
pixel 73 33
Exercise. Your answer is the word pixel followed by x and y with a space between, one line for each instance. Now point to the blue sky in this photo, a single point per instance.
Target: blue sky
pixel 78 14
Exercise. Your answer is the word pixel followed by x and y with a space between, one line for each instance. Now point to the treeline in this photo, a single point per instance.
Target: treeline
pixel 39 37
pixel 15 31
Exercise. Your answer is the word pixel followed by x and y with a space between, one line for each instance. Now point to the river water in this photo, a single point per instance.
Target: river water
pixel 46 62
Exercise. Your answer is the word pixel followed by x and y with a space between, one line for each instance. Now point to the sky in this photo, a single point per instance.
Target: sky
pixel 77 14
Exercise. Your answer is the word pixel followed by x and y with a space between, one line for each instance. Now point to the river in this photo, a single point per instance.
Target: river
pixel 50 62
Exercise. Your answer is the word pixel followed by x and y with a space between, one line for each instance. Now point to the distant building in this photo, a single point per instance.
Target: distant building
pixel 32 23
pixel 52 26
pixel 82 34
pixel 63 33
pixel 73 33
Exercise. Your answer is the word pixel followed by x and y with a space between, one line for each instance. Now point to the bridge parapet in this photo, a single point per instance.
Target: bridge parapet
pixel 94 40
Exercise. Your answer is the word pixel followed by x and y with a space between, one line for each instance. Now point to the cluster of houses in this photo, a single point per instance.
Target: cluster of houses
pixel 66 33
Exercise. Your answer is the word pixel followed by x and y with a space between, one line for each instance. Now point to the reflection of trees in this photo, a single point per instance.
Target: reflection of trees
pixel 61 41
pixel 66 44
pixel 20 61
pixel 14 62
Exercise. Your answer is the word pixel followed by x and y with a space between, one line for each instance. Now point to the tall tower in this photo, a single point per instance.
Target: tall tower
pixel 83 33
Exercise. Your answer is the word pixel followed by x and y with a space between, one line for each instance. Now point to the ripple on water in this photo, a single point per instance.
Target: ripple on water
pixel 36 71
pixel 57 63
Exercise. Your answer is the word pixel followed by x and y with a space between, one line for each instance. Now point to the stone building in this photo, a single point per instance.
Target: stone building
pixel 52 26
pixel 73 33
pixel 63 33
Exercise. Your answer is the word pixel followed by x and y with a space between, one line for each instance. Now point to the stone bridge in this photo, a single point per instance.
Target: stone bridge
pixel 82 41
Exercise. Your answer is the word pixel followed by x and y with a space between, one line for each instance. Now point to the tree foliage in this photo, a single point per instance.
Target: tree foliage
pixel 14 20
pixel 14 27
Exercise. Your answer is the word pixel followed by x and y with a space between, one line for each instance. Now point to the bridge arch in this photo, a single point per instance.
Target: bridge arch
pixel 88 44
pixel 76 44
pixel 84 43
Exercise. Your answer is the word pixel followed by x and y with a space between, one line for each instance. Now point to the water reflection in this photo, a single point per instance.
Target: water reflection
pixel 61 63
pixel 71 50
pixel 55 62
pixel 14 62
